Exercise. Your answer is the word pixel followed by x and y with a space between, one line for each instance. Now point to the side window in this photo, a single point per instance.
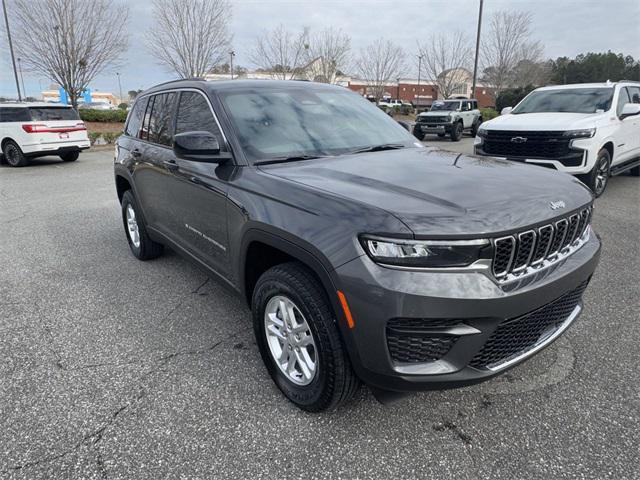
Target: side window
pixel 635 94
pixel 474 105
pixel 134 124
pixel 194 114
pixel 465 106
pixel 160 120
pixel 144 131
pixel 623 97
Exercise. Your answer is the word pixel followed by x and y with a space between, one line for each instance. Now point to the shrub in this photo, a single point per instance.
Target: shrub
pixel 488 114
pixel 111 137
pixel 123 106
pixel 93 137
pixel 407 109
pixel 511 96
pixel 111 116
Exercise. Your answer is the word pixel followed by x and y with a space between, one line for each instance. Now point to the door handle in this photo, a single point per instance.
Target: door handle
pixel 136 153
pixel 171 165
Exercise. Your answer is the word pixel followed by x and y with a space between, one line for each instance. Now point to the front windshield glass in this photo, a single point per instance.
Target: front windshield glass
pixel 274 123
pixel 446 106
pixel 574 100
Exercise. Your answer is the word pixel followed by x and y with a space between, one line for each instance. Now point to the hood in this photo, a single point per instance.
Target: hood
pixel 543 121
pixel 439 194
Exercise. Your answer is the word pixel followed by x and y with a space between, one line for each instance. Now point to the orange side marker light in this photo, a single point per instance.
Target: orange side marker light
pixel 346 310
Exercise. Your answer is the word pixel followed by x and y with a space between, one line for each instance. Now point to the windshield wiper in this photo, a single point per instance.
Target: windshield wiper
pixel 292 158
pixel 378 148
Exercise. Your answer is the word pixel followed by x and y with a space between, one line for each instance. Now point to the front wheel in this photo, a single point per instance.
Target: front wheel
pixel 417 132
pixel 456 132
pixel 299 341
pixel 475 127
pixel 598 178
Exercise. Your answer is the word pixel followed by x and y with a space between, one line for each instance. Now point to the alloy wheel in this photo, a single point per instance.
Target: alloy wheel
pixel 290 340
pixel 132 226
pixel 602 175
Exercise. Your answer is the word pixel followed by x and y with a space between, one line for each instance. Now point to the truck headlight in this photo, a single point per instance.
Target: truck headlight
pixel 585 133
pixel 425 253
pixel 482 132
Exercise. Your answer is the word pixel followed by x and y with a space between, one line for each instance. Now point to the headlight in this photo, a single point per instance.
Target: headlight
pixel 482 132
pixel 426 253
pixel 586 133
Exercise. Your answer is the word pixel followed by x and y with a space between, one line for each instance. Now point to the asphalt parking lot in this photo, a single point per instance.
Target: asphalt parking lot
pixel 113 368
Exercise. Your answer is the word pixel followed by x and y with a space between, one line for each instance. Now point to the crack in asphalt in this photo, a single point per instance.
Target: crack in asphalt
pixel 94 437
pixel 182 299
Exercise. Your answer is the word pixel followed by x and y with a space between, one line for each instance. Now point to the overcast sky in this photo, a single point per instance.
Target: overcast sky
pixel 565 27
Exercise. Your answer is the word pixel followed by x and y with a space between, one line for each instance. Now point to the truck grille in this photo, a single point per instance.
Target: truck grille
pixel 507 143
pixel 415 340
pixel 433 119
pixel 518 253
pixel 515 336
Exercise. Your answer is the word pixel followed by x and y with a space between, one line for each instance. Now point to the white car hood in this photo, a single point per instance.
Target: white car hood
pixel 543 121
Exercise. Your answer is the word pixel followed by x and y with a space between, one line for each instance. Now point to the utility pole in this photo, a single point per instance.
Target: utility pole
pixel 13 59
pixel 475 63
pixel 419 70
pixel 231 55
pixel 24 90
pixel 120 87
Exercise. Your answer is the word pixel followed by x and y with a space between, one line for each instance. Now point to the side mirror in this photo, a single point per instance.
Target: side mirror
pixel 198 147
pixel 629 110
pixel 405 125
pixel 506 111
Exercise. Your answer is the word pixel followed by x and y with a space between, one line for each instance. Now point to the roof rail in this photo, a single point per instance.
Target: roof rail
pixel 179 80
pixel 628 81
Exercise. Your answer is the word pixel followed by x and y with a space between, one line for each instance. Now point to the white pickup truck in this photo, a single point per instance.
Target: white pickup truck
pixel 588 130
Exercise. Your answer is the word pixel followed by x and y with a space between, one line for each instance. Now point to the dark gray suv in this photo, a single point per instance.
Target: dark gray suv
pixel 363 255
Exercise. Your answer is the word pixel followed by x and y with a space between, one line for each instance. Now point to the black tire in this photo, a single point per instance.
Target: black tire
pixel 475 127
pixel 13 154
pixel 456 132
pixel 146 249
pixel 598 178
pixel 635 171
pixel 442 135
pixel 70 156
pixel 334 381
pixel 418 133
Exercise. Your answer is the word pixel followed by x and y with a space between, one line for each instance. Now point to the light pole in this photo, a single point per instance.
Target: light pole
pixel 231 55
pixel 13 59
pixel 24 90
pixel 119 87
pixel 475 63
pixel 419 70
pixel 398 94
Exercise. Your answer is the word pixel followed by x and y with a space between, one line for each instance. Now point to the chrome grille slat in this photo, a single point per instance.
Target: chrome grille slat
pixel 532 250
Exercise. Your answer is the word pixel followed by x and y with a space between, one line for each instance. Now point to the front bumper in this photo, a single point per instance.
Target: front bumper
pixel 434 128
pixel 473 305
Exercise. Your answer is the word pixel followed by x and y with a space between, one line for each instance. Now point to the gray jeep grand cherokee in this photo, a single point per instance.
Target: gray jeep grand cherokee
pixel 363 255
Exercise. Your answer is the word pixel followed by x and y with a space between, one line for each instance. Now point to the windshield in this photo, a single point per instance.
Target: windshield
pixel 575 100
pixel 446 106
pixel 43 114
pixel 274 123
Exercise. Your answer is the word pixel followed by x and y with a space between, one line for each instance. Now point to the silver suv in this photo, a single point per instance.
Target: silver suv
pixel 449 117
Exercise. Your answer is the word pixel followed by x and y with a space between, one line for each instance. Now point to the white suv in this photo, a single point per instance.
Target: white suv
pixel 588 130
pixel 29 130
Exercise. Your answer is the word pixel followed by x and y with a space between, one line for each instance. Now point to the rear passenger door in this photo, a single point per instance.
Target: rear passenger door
pixel 199 216
pixel 152 173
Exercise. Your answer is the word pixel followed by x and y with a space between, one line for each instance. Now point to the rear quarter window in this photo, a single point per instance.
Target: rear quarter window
pixel 12 114
pixel 136 116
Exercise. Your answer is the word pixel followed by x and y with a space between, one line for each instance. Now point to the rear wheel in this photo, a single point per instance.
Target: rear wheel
pixel 598 178
pixel 635 171
pixel 142 247
pixel 456 132
pixel 13 154
pixel 299 341
pixel 70 156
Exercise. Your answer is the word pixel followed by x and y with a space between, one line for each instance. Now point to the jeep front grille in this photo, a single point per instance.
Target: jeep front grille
pixel 517 254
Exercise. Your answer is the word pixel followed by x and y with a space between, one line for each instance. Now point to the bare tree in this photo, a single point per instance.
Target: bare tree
pixel 380 63
pixel 190 37
pixel 444 58
pixel 70 41
pixel 505 46
pixel 281 53
pixel 328 54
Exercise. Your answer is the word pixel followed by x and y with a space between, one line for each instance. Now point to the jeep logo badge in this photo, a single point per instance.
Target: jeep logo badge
pixel 518 140
pixel 557 205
